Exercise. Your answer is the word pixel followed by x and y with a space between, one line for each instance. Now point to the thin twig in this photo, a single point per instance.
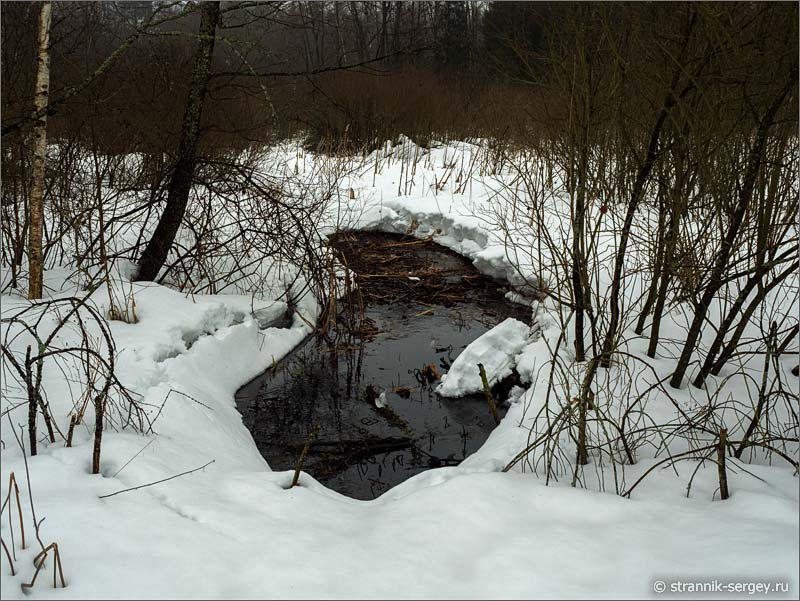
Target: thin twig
pixel 119 492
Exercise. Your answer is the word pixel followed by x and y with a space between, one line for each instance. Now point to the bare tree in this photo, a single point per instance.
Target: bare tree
pixel 50 107
pixel 755 159
pixel 155 253
pixel 39 152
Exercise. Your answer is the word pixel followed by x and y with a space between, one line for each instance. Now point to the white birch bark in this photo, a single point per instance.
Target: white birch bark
pixel 39 150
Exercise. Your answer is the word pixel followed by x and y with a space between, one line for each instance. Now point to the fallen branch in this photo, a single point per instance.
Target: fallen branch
pixel 119 492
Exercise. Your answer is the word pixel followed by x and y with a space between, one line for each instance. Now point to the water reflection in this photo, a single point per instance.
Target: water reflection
pixel 371 395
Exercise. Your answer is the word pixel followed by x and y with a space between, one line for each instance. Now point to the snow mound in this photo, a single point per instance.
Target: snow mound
pixel 497 350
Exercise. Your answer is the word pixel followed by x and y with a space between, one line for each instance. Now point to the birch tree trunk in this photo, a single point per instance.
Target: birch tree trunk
pixel 36 201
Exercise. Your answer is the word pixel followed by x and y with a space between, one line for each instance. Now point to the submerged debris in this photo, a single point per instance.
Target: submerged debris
pixel 429 374
pixel 403 392
pixel 395 268
pixel 368 381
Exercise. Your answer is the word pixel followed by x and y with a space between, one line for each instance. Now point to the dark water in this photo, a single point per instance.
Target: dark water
pixel 369 396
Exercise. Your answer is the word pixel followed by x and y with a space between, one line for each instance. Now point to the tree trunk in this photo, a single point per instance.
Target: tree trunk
pixel 579 274
pixel 99 410
pixel 32 404
pixel 39 152
pixel 339 40
pixel 665 276
pixel 155 254
pixel 754 160
pixel 385 7
pixel 398 16
pixel 361 41
pixel 727 322
pixel 658 262
pixel 636 197
pixel 727 352
pixel 581 92
pixel 639 185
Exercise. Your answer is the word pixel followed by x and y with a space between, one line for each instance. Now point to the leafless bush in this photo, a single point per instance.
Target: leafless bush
pixel 46 550
pixel 70 336
pixel 629 211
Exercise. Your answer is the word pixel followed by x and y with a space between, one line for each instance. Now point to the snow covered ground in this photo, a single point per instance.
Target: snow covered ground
pixel 235 530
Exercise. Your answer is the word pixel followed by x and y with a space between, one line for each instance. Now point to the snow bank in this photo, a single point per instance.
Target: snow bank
pixel 497 350
pixel 233 530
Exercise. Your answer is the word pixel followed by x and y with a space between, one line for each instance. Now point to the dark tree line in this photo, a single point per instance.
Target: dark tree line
pixel 126 75
pixel 120 63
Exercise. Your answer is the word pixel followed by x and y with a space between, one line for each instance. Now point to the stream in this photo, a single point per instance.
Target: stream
pixel 364 394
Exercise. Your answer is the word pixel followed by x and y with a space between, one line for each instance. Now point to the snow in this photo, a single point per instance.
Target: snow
pixel 235 530
pixel 454 533
pixel 496 350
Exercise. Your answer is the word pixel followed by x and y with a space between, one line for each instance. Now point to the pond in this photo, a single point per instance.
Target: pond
pixel 364 393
